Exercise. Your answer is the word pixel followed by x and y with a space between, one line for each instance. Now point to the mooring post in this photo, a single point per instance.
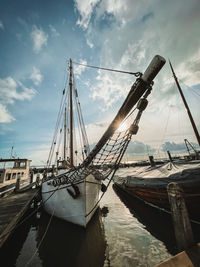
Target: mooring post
pixel 17 185
pixel 38 180
pixel 31 177
pixel 53 170
pixel 182 226
pixel 152 162
pixel 169 155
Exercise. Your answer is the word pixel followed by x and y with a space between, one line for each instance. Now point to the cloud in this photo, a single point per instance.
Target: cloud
pixel 90 44
pixel 36 76
pixel 1 25
pixel 38 154
pixel 10 91
pixel 122 11
pixel 136 147
pixel 111 87
pixel 22 22
pixel 189 71
pixel 54 32
pixel 128 37
pixel 79 69
pixel 5 116
pixel 172 146
pixel 130 33
pixel 39 38
pixel 85 9
pixel 95 131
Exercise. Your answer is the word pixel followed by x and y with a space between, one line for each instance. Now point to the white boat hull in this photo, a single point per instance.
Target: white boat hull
pixel 58 202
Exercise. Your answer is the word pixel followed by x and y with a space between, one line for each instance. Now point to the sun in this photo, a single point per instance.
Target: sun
pixel 122 127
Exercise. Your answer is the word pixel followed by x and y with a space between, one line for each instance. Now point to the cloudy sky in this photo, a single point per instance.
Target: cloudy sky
pixel 37 38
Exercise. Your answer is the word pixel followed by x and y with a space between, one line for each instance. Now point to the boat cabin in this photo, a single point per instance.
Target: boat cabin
pixel 11 169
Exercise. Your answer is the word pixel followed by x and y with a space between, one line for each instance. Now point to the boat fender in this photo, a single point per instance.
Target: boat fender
pixel 103 188
pixel 76 192
pixel 54 183
pixel 58 182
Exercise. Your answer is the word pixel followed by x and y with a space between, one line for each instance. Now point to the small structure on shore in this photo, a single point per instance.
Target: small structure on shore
pixel 11 170
pixel 20 169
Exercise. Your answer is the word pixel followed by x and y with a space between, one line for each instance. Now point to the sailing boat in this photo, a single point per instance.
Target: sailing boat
pixel 149 184
pixel 73 194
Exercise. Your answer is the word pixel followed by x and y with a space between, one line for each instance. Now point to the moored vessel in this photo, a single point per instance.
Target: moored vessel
pixel 149 184
pixel 74 192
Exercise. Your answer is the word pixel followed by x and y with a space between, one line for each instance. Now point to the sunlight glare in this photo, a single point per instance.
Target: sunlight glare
pixel 122 127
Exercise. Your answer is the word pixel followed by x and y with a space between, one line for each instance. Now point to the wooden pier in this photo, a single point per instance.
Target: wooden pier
pixel 12 209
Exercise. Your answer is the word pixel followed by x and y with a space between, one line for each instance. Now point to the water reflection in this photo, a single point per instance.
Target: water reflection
pixel 12 247
pixel 157 222
pixel 65 244
pixel 128 235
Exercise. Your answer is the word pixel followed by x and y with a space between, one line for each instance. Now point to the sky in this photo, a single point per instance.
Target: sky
pixel 37 38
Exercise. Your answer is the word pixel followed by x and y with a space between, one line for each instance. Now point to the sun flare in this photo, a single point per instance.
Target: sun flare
pixel 122 127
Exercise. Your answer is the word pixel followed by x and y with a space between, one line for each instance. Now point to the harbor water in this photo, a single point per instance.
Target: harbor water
pixel 123 232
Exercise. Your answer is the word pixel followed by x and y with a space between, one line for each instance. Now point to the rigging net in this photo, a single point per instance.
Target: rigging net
pixel 104 159
pixel 105 163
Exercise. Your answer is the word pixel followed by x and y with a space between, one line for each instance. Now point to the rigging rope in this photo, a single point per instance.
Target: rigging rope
pixel 61 109
pixel 165 129
pixel 84 140
pixel 81 126
pixel 136 74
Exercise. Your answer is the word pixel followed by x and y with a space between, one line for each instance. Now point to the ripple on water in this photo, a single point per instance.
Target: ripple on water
pixel 128 242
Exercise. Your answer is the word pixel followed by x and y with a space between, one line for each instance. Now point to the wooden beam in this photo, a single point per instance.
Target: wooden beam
pixel 182 226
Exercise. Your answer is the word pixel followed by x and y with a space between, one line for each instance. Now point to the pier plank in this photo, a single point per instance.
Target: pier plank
pixel 12 208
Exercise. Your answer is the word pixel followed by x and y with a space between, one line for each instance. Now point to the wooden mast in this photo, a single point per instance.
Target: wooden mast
pixel 65 132
pixel 71 116
pixel 186 106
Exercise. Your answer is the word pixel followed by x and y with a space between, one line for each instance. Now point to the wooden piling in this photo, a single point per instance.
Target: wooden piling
pixel 182 226
pixel 169 155
pixel 17 185
pixel 31 177
pixel 152 162
pixel 37 181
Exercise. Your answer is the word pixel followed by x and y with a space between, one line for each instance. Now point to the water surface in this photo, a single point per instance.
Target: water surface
pixel 123 232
